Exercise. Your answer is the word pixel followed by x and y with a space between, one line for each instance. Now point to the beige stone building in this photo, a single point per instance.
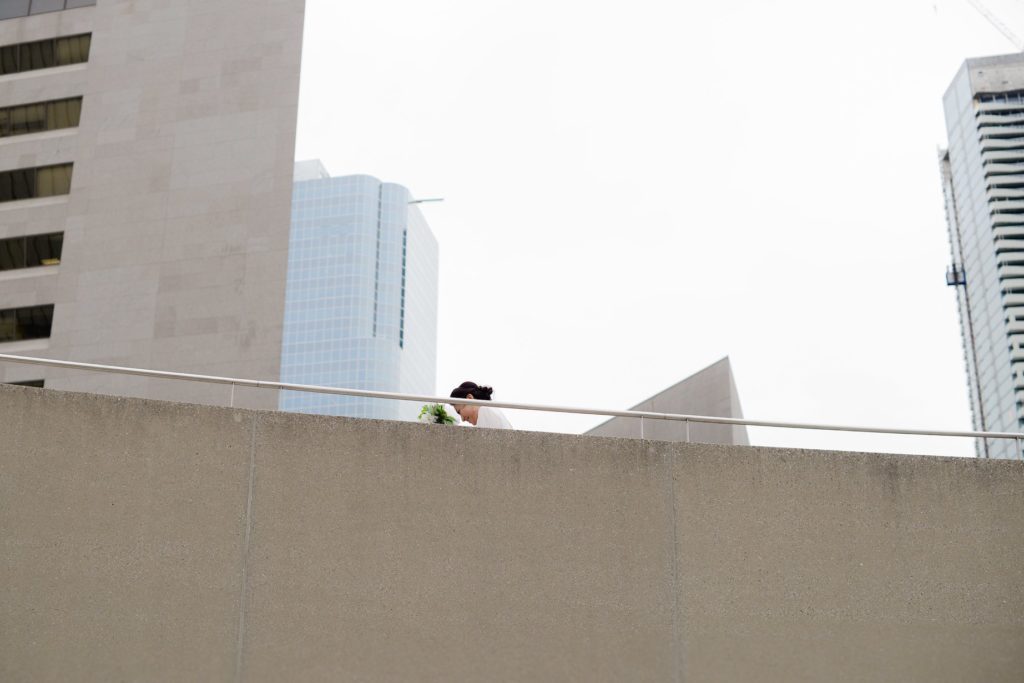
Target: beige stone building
pixel 711 392
pixel 146 151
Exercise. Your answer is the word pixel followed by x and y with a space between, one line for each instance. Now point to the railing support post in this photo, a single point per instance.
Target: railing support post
pixel 232 403
pixel 687 424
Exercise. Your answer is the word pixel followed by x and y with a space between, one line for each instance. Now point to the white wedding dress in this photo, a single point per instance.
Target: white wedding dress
pixel 492 418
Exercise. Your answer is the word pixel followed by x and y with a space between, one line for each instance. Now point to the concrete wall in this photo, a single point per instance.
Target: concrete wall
pixel 176 227
pixel 153 541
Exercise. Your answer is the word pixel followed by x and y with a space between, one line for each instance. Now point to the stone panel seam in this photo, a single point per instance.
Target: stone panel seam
pixel 677 645
pixel 244 597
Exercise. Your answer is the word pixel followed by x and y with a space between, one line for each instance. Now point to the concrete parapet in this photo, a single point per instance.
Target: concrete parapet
pixel 156 541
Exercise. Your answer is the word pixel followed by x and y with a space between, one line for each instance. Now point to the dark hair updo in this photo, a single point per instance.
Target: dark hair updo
pixel 467 388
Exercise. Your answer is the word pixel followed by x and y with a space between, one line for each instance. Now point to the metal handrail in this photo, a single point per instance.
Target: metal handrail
pixel 365 393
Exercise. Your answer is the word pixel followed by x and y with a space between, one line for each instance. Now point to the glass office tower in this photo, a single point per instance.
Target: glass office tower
pixel 361 298
pixel 983 183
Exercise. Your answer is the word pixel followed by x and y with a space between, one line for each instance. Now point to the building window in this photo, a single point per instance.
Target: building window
pixel 31 251
pixel 37 383
pixel 41 6
pixel 36 118
pixel 30 322
pixel 30 183
pixel 44 54
pixel 12 9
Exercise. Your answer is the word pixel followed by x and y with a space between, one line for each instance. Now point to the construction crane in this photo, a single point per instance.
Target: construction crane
pixel 999 25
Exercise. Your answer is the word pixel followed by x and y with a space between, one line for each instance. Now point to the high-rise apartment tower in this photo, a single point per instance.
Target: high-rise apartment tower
pixel 146 154
pixel 983 182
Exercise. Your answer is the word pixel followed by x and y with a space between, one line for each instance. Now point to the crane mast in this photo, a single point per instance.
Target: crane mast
pixel 999 25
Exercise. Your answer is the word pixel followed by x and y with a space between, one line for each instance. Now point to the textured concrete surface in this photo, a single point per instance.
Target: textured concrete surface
pixel 122 538
pixel 155 541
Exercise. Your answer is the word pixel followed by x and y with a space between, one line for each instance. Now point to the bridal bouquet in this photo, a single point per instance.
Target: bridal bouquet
pixel 434 413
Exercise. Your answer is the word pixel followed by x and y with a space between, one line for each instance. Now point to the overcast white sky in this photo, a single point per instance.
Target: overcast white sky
pixel 634 190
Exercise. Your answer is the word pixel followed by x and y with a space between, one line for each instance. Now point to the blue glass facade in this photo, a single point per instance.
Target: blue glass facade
pixel 361 298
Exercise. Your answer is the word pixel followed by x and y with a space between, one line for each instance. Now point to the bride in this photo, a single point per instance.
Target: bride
pixel 481 416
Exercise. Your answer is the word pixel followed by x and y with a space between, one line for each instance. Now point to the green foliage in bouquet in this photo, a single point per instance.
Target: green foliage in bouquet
pixel 434 413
